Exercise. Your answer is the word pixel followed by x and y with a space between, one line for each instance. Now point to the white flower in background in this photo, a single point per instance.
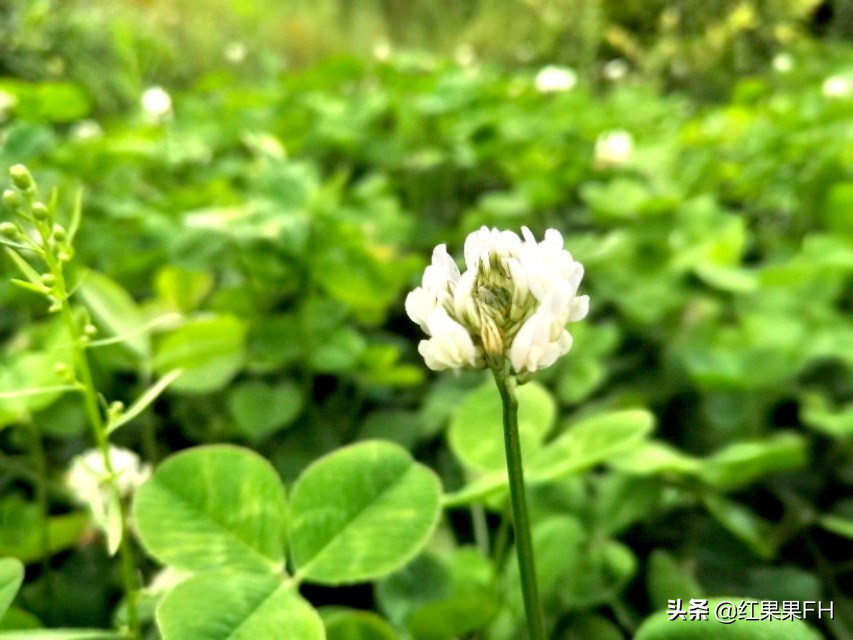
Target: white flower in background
pixel 235 52
pixel 554 79
pixel 613 148
pixel 88 481
pixel 836 87
pixel 512 302
pixel 615 69
pixel 783 62
pixel 465 55
pixel 156 103
pixel 382 51
pixel 86 130
pixel 8 101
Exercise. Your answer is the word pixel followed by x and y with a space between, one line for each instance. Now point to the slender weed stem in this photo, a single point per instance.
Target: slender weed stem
pixel 99 430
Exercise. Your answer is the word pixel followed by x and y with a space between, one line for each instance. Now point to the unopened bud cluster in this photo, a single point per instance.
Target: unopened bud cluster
pixel 512 303
pixel 35 230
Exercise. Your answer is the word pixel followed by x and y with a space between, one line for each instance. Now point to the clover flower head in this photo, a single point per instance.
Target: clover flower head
pixel 613 148
pixel 836 87
pixel 382 50
pixel 465 55
pixel 615 70
pixel 88 481
pixel 783 62
pixel 8 101
pixel 156 103
pixel 86 130
pixel 555 79
pixel 235 52
pixel 512 302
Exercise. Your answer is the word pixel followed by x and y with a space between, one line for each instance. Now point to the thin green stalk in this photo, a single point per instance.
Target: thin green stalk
pixel 40 482
pixel 99 430
pixel 521 523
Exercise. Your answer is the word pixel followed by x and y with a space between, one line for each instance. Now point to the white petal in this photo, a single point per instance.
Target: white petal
pixel 508 243
pixel 553 240
pixel 520 288
pixel 463 302
pixel 451 344
pixel 474 248
pixel 565 343
pixel 445 264
pixel 528 342
pixel 419 304
pixel 576 276
pixel 579 308
pixel 425 349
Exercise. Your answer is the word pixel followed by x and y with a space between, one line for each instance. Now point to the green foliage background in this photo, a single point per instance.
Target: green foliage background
pixel 318 151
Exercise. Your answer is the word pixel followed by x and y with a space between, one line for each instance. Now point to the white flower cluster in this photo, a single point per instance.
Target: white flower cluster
pixel 512 302
pixel 88 481
pixel 836 87
pixel 613 148
pixel 555 79
pixel 156 104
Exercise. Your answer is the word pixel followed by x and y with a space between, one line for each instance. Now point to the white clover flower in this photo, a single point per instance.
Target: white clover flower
pixel 86 130
pixel 512 302
pixel 88 481
pixel 836 87
pixel 8 101
pixel 156 103
pixel 465 55
pixel 613 148
pixel 615 70
pixel 382 51
pixel 783 62
pixel 235 52
pixel 554 79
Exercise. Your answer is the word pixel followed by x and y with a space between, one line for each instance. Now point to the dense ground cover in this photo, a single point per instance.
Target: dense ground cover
pixel 260 231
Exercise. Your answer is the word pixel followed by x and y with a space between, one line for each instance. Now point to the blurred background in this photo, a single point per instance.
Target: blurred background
pixel 277 174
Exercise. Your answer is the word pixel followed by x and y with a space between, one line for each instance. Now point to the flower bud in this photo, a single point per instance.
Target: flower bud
pixel 90 330
pixel 59 232
pixel 12 199
pixel 493 344
pixel 40 211
pixel 48 279
pixel 63 371
pixel 115 408
pixel 8 229
pixel 21 177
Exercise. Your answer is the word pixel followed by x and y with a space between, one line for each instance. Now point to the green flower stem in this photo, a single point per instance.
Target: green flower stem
pixel 521 523
pixel 40 464
pixel 99 430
